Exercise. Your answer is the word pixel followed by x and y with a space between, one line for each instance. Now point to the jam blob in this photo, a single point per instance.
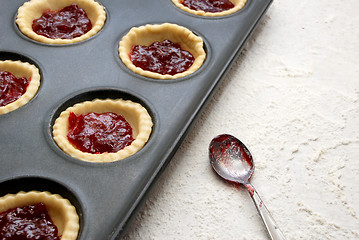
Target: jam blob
pixel 99 132
pixel 209 5
pixel 29 222
pixel 163 57
pixel 11 87
pixel 67 23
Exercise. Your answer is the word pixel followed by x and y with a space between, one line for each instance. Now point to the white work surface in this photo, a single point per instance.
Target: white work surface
pixel 292 97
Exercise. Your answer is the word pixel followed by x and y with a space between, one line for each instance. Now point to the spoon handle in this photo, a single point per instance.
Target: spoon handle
pixel 273 230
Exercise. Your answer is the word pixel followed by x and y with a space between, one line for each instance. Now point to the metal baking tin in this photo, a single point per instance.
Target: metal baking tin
pixel 107 195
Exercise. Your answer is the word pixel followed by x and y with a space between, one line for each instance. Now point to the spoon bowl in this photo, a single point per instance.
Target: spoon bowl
pixel 231 159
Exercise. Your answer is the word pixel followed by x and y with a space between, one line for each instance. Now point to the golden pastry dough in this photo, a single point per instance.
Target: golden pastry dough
pixel 61 211
pixel 134 113
pixel 33 9
pixel 146 35
pixel 238 5
pixel 21 69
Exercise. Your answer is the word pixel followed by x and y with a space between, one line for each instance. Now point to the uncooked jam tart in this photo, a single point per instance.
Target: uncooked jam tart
pixel 175 49
pixel 103 130
pixel 210 8
pixel 75 20
pixel 19 82
pixel 63 219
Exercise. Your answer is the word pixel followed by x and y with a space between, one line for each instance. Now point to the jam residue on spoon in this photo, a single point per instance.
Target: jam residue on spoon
pixel 67 23
pixel 99 132
pixel 209 5
pixel 11 87
pixel 163 57
pixel 29 222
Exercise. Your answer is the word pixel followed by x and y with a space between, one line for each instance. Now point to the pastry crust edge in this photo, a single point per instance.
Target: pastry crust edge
pixel 21 69
pixel 159 32
pixel 134 113
pixel 238 5
pixel 33 9
pixel 61 211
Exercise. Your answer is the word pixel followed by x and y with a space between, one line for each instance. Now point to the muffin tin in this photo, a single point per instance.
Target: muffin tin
pixel 107 195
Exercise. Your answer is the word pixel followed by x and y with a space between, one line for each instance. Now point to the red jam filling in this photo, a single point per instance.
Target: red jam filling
pixel 209 5
pixel 162 57
pixel 30 222
pixel 11 87
pixel 99 132
pixel 67 23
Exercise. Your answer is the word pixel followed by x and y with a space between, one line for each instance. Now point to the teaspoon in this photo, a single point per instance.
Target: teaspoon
pixel 231 159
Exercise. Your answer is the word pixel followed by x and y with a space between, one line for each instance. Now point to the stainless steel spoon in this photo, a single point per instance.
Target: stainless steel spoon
pixel 231 159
